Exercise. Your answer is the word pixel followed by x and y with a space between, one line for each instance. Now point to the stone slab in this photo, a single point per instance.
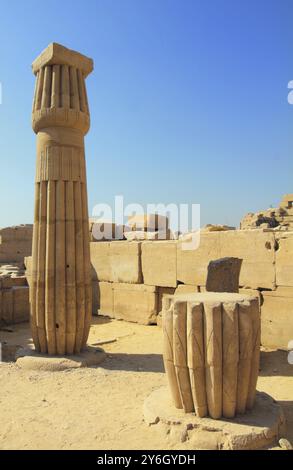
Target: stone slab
pixel 27 358
pixel 257 429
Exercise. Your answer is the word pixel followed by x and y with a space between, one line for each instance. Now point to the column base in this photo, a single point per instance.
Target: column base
pixel 27 358
pixel 259 428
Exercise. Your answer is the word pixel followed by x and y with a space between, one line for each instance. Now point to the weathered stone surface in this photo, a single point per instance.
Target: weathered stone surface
pixel 125 261
pixel 223 275
pixel 192 264
pixel 186 289
pixel 159 263
pixel 106 298
pixel 277 318
pixel 136 303
pixel 284 262
pixel 162 293
pixel 15 243
pixel 14 305
pixel 257 429
pixel 257 250
pixel 100 261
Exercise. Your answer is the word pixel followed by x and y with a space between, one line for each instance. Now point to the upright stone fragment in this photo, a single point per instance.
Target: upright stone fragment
pixel 61 297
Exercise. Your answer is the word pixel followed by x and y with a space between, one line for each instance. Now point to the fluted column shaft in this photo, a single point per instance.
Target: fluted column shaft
pixel 61 283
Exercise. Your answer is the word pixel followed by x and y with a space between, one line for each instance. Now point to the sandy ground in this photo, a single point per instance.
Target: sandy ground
pixel 101 408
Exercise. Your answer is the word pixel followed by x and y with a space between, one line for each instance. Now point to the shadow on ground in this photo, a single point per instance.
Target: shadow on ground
pixel 134 362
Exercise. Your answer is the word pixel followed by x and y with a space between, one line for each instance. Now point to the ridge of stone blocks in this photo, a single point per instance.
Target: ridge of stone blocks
pixel 14 304
pixel 255 248
pixel 136 303
pixel 15 243
pixel 159 263
pixel 117 261
pixel 277 318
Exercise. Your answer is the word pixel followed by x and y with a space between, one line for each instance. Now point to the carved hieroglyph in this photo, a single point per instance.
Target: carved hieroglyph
pixel 61 282
pixel 211 352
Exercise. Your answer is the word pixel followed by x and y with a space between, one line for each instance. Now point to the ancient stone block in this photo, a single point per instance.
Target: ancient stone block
pixel 125 261
pixel 277 318
pixel 136 303
pixel 100 261
pixel 192 264
pixel 257 250
pixel 284 262
pixel 223 275
pixel 159 263
pixel 21 306
pixel 106 298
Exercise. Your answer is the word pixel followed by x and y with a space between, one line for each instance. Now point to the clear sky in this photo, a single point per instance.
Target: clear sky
pixel 188 101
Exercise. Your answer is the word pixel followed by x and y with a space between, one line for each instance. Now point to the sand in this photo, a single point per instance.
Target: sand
pixel 101 408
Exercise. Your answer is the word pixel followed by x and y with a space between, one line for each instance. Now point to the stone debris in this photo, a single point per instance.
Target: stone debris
pixel 278 218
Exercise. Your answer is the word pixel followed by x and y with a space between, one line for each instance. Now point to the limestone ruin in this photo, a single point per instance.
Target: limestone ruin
pixel 218 304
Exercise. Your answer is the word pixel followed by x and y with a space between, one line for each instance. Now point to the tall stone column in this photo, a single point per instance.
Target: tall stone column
pixel 61 278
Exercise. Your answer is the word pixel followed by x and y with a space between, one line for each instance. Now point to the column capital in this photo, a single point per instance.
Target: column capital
pixel 56 54
pixel 60 98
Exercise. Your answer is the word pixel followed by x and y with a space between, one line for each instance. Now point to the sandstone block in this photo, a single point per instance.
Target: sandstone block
pixel 159 263
pixel 192 264
pixel 257 250
pixel 223 275
pixel 21 306
pixel 136 303
pixel 100 261
pixel 277 318
pixel 125 260
pixel 14 305
pixel 106 298
pixel 162 293
pixel 284 262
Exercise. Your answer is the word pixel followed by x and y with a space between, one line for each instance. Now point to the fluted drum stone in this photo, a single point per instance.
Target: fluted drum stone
pixel 60 294
pixel 212 358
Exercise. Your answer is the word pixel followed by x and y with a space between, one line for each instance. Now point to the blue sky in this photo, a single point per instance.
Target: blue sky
pixel 188 101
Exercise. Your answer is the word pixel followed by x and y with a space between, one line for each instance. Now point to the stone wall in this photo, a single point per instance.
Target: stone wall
pixel 15 245
pixel 267 271
pixel 130 279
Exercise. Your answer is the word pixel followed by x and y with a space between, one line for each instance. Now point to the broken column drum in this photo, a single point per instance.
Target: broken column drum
pixel 60 297
pixel 211 352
